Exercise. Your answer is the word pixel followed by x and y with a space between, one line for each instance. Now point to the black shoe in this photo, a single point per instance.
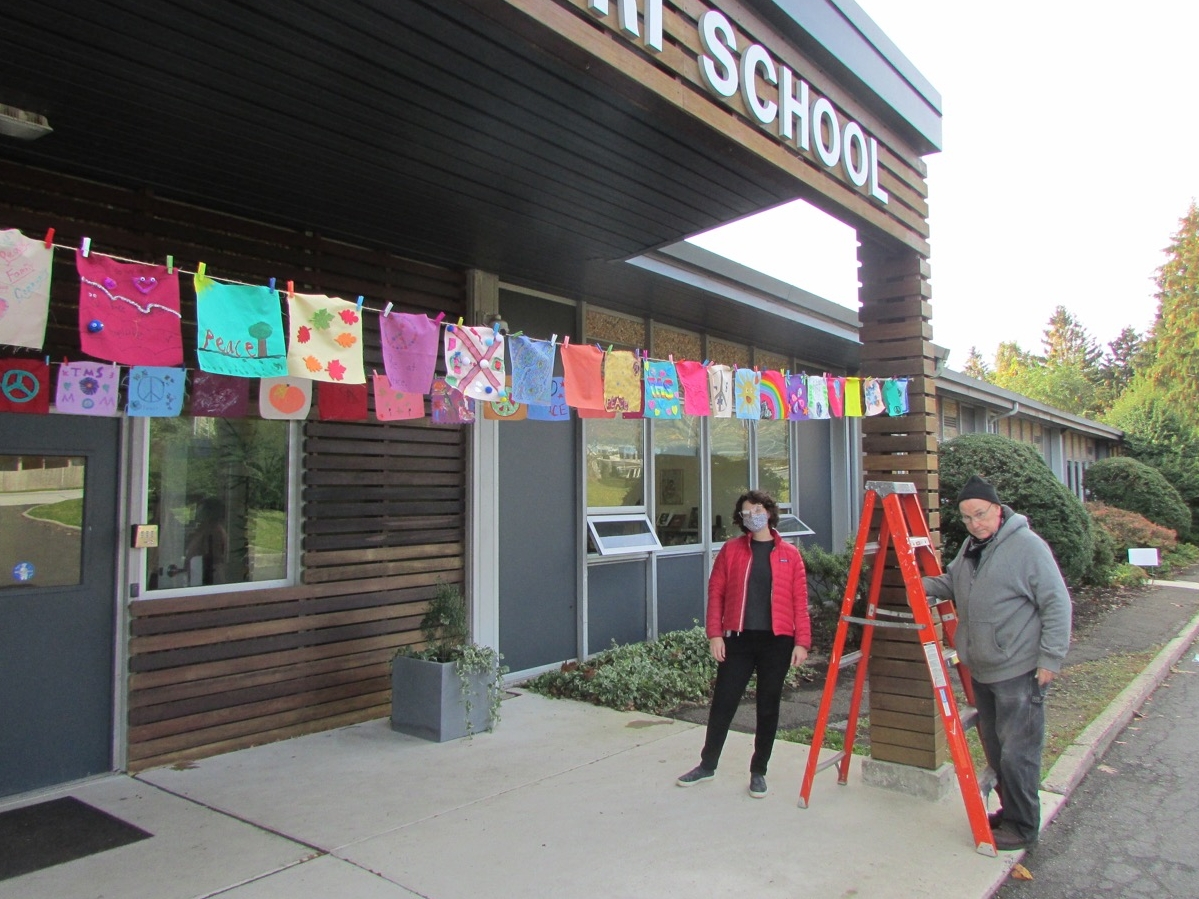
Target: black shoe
pixel 995 819
pixel 1009 840
pixel 696 775
pixel 757 785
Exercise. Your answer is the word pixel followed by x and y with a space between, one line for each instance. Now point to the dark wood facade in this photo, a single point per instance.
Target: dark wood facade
pixel 383 505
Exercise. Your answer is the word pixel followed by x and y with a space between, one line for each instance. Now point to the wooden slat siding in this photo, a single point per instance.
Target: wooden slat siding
pixel 896 336
pixel 220 671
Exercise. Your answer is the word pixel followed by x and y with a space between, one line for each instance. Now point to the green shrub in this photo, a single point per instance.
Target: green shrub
pixel 1181 556
pixel 653 677
pixel 828 575
pixel 1127 483
pixel 1106 553
pixel 1024 483
pixel 1125 575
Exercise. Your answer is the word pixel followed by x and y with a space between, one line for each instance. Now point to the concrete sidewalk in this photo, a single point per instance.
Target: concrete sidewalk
pixel 563 798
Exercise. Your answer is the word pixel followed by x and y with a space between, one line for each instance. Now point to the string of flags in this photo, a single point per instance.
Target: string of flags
pixel 129 315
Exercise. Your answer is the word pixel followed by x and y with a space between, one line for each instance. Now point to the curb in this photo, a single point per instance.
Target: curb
pixel 1078 758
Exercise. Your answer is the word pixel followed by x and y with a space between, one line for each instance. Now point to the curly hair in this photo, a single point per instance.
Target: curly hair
pixel 762 498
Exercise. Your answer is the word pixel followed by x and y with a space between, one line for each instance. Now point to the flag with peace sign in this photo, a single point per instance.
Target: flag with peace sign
pixel 24 386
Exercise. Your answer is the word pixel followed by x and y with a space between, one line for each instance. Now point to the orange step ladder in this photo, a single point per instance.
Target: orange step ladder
pixel 904 530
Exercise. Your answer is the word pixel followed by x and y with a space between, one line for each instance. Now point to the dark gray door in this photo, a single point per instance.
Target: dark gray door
pixel 538 538
pixel 58 550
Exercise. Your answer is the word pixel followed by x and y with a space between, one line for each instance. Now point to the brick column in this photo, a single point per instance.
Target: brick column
pixel 897 342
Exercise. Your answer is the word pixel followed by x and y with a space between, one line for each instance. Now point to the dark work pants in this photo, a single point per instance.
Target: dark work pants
pixel 1011 724
pixel 746 653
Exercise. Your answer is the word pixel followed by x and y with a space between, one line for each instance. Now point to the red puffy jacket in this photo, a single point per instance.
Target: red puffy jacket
pixel 788 593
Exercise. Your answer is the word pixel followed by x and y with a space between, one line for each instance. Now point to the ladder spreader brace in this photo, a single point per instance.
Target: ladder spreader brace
pixel 904 530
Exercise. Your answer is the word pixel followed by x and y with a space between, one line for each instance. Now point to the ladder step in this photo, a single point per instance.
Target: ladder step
pixel 830 761
pixel 852 659
pixel 919 541
pixel 874 622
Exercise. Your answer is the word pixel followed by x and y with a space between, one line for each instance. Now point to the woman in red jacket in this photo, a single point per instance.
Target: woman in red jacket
pixel 757 621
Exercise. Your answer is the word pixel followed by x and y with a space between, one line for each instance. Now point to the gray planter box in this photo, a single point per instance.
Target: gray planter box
pixel 427 700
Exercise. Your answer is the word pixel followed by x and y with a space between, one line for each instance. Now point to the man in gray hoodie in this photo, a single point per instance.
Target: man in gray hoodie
pixel 1014 629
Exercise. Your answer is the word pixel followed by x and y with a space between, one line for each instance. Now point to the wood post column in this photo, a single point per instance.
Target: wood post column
pixel 896 337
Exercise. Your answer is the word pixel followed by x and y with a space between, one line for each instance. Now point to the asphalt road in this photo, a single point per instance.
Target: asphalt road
pixel 1131 828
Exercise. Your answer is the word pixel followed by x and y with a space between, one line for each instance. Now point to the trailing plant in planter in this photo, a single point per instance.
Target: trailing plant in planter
pixel 478 671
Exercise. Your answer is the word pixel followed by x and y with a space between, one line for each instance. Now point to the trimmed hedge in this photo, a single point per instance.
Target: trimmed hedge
pixel 1025 483
pixel 1129 484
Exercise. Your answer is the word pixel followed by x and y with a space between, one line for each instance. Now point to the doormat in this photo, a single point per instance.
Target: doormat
pixel 61 830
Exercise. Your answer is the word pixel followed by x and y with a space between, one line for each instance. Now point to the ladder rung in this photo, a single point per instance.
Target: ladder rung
pixel 852 659
pixel 831 760
pixel 919 541
pixel 874 622
pixel 870 548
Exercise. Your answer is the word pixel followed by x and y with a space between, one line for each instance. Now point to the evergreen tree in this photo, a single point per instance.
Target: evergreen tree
pixel 1173 364
pixel 975 366
pixel 1068 343
pixel 1120 364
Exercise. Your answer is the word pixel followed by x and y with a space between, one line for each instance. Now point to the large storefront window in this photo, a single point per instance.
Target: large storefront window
pixel 218 490
pixel 615 478
pixel 774 459
pixel 677 479
pixel 730 473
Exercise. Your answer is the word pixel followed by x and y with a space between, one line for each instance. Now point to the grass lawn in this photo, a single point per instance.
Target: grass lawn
pixel 68 512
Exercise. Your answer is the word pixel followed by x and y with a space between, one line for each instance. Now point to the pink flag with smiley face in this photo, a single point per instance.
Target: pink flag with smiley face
pixel 128 312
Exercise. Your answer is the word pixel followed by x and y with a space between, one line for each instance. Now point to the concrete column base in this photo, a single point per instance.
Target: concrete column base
pixel 920 782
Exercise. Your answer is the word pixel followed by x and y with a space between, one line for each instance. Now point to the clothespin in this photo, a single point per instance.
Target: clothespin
pixel 387 310
pixel 203 266
pixel 460 321
pixel 49 238
pixel 566 340
pixel 553 339
pixel 291 290
pixel 272 283
pixel 707 362
pixel 440 315
pixel 48 358
pixel 670 356
pixel 170 265
pixel 86 247
pixel 609 348
pixel 495 329
pixel 358 307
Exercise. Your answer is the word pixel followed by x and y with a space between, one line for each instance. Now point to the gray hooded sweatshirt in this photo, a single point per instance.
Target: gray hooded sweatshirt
pixel 1013 609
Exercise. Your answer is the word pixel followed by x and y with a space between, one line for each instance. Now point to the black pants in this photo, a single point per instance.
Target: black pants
pixel 1011 724
pixel 745 653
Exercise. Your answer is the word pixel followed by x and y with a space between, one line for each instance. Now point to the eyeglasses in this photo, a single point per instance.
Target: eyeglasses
pixel 750 513
pixel 978 516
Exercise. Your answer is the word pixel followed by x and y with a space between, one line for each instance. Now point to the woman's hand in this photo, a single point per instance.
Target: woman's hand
pixel 799 655
pixel 717 645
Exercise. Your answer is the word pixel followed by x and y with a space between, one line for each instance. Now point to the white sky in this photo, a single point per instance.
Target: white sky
pixel 1071 152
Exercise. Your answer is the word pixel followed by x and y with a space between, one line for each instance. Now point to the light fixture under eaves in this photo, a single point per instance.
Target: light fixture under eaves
pixel 21 124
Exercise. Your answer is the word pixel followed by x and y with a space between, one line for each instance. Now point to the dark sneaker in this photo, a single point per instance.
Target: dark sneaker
pixel 1009 840
pixel 995 819
pixel 757 785
pixel 695 775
